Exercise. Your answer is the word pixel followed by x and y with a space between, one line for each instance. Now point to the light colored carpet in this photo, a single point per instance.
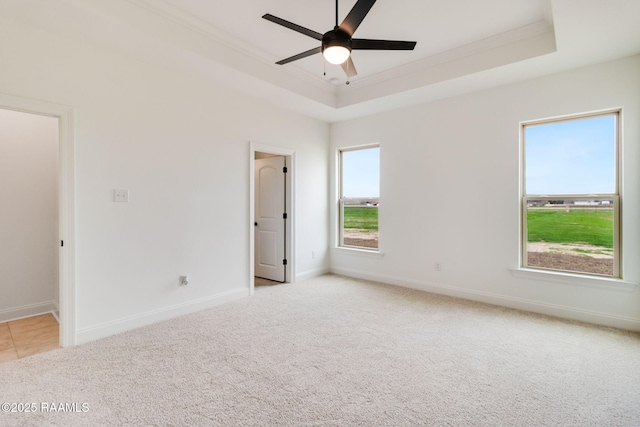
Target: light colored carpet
pixel 333 351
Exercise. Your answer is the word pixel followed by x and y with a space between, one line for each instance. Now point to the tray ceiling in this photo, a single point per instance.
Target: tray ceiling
pixel 462 45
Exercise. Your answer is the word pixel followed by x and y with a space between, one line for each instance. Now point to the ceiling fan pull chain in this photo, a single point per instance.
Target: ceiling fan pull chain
pixel 348 82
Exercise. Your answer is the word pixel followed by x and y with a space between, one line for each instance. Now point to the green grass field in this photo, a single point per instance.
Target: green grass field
pixel 575 226
pixel 553 226
pixel 361 217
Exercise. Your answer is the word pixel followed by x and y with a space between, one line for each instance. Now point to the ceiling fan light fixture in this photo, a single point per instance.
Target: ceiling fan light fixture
pixel 336 54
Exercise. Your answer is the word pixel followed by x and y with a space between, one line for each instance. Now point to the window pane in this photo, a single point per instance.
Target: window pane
pixel 360 197
pixel 571 157
pixel 361 173
pixel 360 223
pixel 571 235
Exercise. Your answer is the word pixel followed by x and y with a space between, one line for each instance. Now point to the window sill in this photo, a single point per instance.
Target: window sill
pixel 574 279
pixel 359 252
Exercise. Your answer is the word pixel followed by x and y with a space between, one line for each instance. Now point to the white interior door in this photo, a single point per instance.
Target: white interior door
pixel 270 217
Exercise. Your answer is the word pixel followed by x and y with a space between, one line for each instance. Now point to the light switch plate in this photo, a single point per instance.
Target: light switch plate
pixel 121 196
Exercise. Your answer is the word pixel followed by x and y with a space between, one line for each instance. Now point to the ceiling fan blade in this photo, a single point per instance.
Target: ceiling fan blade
pixel 363 44
pixel 349 68
pixel 301 55
pixel 292 26
pixel 355 17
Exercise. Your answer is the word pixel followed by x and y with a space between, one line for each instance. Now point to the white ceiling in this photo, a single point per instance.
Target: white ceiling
pixel 462 45
pixel 428 22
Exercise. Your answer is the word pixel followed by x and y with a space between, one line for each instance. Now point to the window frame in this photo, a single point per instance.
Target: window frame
pixel 341 200
pixel 615 196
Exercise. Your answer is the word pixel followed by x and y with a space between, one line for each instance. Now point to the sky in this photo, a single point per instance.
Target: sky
pixel 571 157
pixel 566 157
pixel 361 173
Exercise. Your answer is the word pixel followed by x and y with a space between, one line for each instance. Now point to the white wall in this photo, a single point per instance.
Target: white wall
pixel 450 192
pixel 181 148
pixel 29 214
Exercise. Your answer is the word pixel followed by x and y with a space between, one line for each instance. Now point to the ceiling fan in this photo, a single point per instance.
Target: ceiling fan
pixel 337 44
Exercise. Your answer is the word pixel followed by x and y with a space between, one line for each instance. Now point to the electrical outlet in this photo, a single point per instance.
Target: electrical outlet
pixel 438 266
pixel 184 280
pixel 313 254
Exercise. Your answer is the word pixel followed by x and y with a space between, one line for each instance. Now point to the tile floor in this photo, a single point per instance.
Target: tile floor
pixel 25 337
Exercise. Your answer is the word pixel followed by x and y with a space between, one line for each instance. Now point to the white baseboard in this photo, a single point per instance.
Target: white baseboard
pixel 30 310
pixel 312 273
pixel 56 311
pixel 564 312
pixel 132 322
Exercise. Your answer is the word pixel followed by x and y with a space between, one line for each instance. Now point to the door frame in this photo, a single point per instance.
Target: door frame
pixel 66 206
pixel 290 160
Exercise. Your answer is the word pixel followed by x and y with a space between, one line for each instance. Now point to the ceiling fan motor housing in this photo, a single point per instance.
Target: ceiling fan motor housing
pixel 336 37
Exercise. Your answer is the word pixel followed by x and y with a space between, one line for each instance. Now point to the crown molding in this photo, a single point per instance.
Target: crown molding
pixel 526 32
pixel 503 49
pixel 214 34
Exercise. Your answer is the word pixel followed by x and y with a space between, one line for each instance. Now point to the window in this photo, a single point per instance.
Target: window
pixel 359 197
pixel 571 204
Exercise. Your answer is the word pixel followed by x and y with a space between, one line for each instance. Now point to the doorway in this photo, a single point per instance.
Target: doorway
pixel 29 225
pixel 57 236
pixel 270 218
pixel 271 215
